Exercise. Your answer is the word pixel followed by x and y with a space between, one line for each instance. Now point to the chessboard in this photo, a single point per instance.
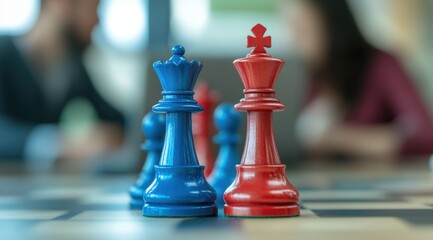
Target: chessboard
pixel 336 204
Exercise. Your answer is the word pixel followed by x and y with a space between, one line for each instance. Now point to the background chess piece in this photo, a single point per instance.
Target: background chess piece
pixel 260 188
pixel 227 121
pixel 180 188
pixel 153 127
pixel 203 128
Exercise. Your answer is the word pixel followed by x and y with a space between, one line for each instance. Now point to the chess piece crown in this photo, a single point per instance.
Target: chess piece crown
pixel 178 77
pixel 258 72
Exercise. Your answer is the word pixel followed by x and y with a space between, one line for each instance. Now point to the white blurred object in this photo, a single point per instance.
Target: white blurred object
pixel 119 78
pixel 125 23
pixel 190 17
pixel 319 116
pixel 78 118
pixel 374 19
pixel 431 162
pixel 18 16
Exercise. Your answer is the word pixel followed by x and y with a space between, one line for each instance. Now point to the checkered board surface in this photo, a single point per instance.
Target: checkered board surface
pixel 395 205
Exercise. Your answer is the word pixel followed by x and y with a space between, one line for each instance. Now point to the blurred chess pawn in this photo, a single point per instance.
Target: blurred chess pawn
pixel 431 163
pixel 227 121
pixel 153 127
pixel 202 126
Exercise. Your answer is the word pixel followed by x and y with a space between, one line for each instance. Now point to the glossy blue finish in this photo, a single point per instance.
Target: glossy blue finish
pixel 227 121
pixel 153 127
pixel 180 188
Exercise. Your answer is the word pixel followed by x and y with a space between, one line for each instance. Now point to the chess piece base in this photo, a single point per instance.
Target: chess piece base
pixel 179 191
pixel 262 211
pixel 136 191
pixel 137 201
pixel 151 210
pixel 136 204
pixel 220 184
pixel 261 191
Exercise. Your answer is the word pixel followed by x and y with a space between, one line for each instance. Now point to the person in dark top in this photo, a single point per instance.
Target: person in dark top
pixel 360 101
pixel 40 72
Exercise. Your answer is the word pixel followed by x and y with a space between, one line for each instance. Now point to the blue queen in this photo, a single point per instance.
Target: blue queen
pixel 179 188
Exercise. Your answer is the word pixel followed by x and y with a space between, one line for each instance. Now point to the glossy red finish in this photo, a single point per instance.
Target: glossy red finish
pixel 259 41
pixel 261 188
pixel 203 128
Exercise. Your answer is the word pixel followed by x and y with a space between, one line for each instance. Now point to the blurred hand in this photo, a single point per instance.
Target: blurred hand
pixel 101 139
pixel 316 120
pixel 366 142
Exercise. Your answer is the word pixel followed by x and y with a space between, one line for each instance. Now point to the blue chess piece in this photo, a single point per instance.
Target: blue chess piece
pixel 227 121
pixel 153 127
pixel 180 188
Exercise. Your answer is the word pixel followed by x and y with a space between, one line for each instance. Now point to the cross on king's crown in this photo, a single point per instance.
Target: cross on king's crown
pixel 259 42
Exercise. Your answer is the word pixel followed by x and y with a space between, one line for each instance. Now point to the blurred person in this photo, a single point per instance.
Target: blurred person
pixel 40 72
pixel 360 102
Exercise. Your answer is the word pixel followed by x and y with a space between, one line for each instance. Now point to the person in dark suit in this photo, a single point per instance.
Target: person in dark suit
pixel 40 72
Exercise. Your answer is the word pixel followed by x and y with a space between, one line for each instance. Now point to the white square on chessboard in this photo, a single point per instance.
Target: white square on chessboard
pixel 329 229
pixel 321 225
pixel 365 205
pixel 341 194
pixel 103 230
pixel 306 213
pixel 109 216
pixel 408 187
pixel 63 193
pixel 29 214
pixel 421 199
pixel 9 199
pixel 106 199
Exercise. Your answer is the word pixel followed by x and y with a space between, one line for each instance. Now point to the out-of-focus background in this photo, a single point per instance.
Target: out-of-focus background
pixel 132 34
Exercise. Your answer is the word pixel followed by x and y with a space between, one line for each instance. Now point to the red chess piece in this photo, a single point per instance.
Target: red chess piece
pixel 260 188
pixel 203 128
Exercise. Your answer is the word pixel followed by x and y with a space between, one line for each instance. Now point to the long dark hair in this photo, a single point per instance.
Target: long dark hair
pixel 347 54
